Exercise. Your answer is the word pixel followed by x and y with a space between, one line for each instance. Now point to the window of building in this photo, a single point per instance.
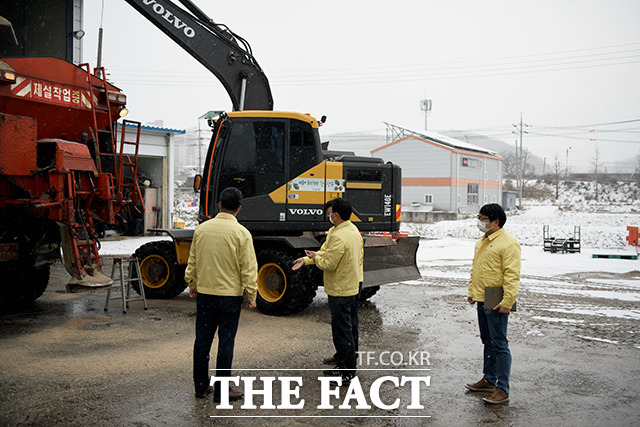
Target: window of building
pixel 428 199
pixel 472 194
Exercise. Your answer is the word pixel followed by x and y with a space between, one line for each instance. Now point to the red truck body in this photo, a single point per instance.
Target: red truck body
pixel 61 171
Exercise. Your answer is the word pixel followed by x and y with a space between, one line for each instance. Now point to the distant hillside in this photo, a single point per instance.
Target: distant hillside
pixel 361 143
pixel 498 146
pixel 610 195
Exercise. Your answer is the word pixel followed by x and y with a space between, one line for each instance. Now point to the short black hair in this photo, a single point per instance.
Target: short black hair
pixel 494 211
pixel 341 206
pixel 230 199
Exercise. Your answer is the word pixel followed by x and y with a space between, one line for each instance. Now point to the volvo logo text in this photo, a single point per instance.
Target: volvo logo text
pixel 306 211
pixel 170 17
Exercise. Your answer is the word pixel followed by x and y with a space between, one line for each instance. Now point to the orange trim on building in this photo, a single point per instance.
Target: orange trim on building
pixel 448 182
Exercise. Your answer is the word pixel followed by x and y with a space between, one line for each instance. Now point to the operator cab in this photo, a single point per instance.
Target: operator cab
pixel 259 152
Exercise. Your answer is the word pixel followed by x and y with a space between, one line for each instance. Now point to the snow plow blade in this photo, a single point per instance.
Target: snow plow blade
pixel 389 261
pixel 92 278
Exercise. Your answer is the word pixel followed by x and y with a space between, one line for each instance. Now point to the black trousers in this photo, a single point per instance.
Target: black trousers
pixel 344 329
pixel 214 313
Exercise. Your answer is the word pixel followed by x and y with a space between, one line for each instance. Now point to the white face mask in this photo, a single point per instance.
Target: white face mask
pixel 482 226
pixel 331 219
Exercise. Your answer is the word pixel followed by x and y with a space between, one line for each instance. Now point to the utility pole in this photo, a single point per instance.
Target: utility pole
pixel 520 158
pixel 99 59
pixel 566 164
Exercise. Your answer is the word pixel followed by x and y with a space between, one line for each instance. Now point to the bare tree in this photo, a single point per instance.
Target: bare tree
pixel 510 165
pixel 636 175
pixel 517 168
pixel 528 170
pixel 596 161
pixel 557 172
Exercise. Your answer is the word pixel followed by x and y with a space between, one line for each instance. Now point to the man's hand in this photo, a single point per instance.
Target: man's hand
pixel 251 304
pixel 470 300
pixel 298 263
pixel 192 293
pixel 311 254
pixel 501 309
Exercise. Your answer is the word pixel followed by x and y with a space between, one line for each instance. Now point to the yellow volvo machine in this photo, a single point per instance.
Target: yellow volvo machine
pixel 285 174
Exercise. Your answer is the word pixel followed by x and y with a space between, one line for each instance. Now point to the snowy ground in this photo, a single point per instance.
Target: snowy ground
pixel 597 230
pixel 597 299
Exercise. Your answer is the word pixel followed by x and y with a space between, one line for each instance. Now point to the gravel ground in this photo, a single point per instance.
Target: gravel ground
pixel 65 361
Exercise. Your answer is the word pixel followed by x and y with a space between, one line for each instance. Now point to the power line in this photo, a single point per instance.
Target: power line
pixel 363 80
pixel 359 71
pixel 592 125
pixel 405 73
pixel 591 138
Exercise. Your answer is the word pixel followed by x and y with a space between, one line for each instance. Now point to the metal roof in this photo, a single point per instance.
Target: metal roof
pixel 157 129
pixel 398 132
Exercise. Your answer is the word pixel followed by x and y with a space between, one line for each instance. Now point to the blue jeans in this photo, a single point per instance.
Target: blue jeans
pixel 497 357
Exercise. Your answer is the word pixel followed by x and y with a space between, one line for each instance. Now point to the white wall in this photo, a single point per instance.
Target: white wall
pixel 431 168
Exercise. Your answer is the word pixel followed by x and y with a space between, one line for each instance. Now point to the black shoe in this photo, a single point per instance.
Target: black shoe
pixel 233 396
pixel 203 394
pixel 346 374
pixel 329 360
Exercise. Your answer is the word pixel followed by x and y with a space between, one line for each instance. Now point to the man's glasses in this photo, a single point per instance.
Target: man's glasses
pixel 483 218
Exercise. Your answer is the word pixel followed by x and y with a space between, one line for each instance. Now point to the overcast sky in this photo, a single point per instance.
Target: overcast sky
pixel 568 66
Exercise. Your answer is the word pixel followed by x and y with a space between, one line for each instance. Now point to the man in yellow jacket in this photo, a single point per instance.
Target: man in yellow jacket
pixel 496 263
pixel 340 258
pixel 222 266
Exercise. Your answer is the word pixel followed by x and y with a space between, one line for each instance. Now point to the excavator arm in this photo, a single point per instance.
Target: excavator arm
pixel 227 55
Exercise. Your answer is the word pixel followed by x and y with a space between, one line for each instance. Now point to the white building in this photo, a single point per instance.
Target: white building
pixel 442 173
pixel 157 166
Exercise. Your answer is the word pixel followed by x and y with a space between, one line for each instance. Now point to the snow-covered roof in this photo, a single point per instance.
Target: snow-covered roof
pixel 401 132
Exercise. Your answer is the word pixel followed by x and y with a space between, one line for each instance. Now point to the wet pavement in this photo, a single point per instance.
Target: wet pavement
pixel 65 361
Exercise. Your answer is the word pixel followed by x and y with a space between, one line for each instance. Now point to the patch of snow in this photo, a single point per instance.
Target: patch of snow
pixel 622 296
pixel 557 319
pixel 597 339
pixel 600 311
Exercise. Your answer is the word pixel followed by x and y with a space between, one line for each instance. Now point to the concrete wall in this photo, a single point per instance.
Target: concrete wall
pixel 428 217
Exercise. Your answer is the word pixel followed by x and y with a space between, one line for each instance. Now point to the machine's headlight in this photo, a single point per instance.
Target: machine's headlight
pixel 123 111
pixel 8 76
pixel 120 98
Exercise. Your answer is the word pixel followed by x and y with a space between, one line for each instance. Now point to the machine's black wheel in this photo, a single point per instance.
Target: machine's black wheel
pixel 368 293
pixel 162 276
pixel 21 283
pixel 282 291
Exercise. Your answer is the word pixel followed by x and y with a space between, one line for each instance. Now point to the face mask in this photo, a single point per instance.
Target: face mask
pixel 331 219
pixel 482 226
